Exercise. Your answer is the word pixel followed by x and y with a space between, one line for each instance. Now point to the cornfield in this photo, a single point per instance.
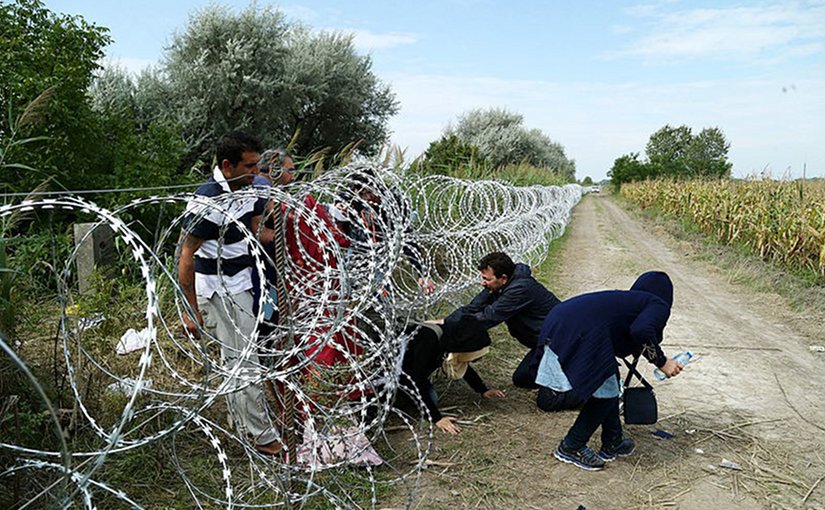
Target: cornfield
pixel 781 221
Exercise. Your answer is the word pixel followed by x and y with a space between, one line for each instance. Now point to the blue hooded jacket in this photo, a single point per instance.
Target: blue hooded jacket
pixel 523 303
pixel 589 331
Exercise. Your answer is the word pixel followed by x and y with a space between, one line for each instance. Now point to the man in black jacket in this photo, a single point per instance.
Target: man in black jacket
pixel 511 295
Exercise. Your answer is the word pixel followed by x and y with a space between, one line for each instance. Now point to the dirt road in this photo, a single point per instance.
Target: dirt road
pixel 753 396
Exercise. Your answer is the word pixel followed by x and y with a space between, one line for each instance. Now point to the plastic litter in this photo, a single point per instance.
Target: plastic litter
pixel 133 341
pixel 661 434
pixel 84 323
pixel 730 465
pixel 127 386
pixel 817 348
pixel 700 451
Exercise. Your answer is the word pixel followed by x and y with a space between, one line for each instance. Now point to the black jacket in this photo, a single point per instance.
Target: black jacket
pixel 425 353
pixel 523 303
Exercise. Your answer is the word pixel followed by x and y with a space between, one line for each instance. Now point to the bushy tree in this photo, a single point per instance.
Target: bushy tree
pixel 448 153
pixel 708 154
pixel 628 168
pixel 667 150
pixel 502 139
pixel 256 71
pixel 676 152
pixel 45 51
pixel 136 151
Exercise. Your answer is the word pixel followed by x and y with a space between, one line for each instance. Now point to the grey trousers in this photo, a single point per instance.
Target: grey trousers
pixel 229 320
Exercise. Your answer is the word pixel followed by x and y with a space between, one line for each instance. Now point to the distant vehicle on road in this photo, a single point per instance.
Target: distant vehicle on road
pixel 595 189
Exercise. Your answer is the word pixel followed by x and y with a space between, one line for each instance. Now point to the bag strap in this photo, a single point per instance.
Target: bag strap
pixel 631 371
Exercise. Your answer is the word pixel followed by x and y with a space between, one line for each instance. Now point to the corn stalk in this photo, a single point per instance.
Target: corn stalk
pixel 781 221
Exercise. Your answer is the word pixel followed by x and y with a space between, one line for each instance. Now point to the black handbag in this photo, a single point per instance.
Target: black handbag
pixel 639 402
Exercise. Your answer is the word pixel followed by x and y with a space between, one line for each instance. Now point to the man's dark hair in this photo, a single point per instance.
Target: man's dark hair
pixel 499 262
pixel 232 145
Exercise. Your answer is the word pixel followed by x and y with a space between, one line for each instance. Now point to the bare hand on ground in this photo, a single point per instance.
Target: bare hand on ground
pixel 494 393
pixel 446 424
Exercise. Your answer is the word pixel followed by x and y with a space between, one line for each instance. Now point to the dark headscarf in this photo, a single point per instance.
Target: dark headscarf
pixel 657 283
pixel 466 334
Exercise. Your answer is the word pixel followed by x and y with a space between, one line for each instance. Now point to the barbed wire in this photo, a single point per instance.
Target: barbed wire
pixel 363 244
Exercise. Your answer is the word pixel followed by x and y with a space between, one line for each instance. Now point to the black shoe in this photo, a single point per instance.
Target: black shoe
pixel 624 448
pixel 584 457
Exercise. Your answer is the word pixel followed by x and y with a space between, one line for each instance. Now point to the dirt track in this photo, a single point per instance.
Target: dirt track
pixel 753 396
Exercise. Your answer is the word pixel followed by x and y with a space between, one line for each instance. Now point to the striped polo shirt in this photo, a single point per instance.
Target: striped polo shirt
pixel 223 264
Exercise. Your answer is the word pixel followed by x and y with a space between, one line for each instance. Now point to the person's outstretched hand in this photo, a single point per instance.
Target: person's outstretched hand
pixel 427 286
pixel 493 393
pixel 446 424
pixel 671 368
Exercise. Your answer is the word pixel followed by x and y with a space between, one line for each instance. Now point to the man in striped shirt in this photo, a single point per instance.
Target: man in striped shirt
pixel 215 273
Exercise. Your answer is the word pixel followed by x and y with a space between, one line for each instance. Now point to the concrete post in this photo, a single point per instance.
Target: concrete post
pixel 95 249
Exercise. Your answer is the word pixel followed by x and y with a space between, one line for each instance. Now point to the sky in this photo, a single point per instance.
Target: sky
pixel 597 77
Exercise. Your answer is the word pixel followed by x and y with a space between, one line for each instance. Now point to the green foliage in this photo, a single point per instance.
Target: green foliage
pixel 708 154
pixel 676 153
pixel 628 168
pixel 8 273
pixel 449 153
pixel 667 150
pixel 135 150
pixel 587 181
pixel 41 51
pixel 338 98
pixel 256 71
pixel 525 174
pixel 502 139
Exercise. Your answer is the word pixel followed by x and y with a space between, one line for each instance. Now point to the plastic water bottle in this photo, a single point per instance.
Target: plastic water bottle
pixel 682 357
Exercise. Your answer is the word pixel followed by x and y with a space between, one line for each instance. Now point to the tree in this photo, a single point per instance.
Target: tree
pixel 587 181
pixel 502 139
pixel 137 151
pixel 628 168
pixel 676 152
pixel 258 72
pixel 45 51
pixel 448 153
pixel 340 100
pixel 668 149
pixel 708 154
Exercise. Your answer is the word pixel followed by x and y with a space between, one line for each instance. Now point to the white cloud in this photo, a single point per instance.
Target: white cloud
pixel 774 31
pixel 368 41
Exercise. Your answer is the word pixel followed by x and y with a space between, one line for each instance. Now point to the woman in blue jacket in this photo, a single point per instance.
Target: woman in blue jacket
pixel 582 338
